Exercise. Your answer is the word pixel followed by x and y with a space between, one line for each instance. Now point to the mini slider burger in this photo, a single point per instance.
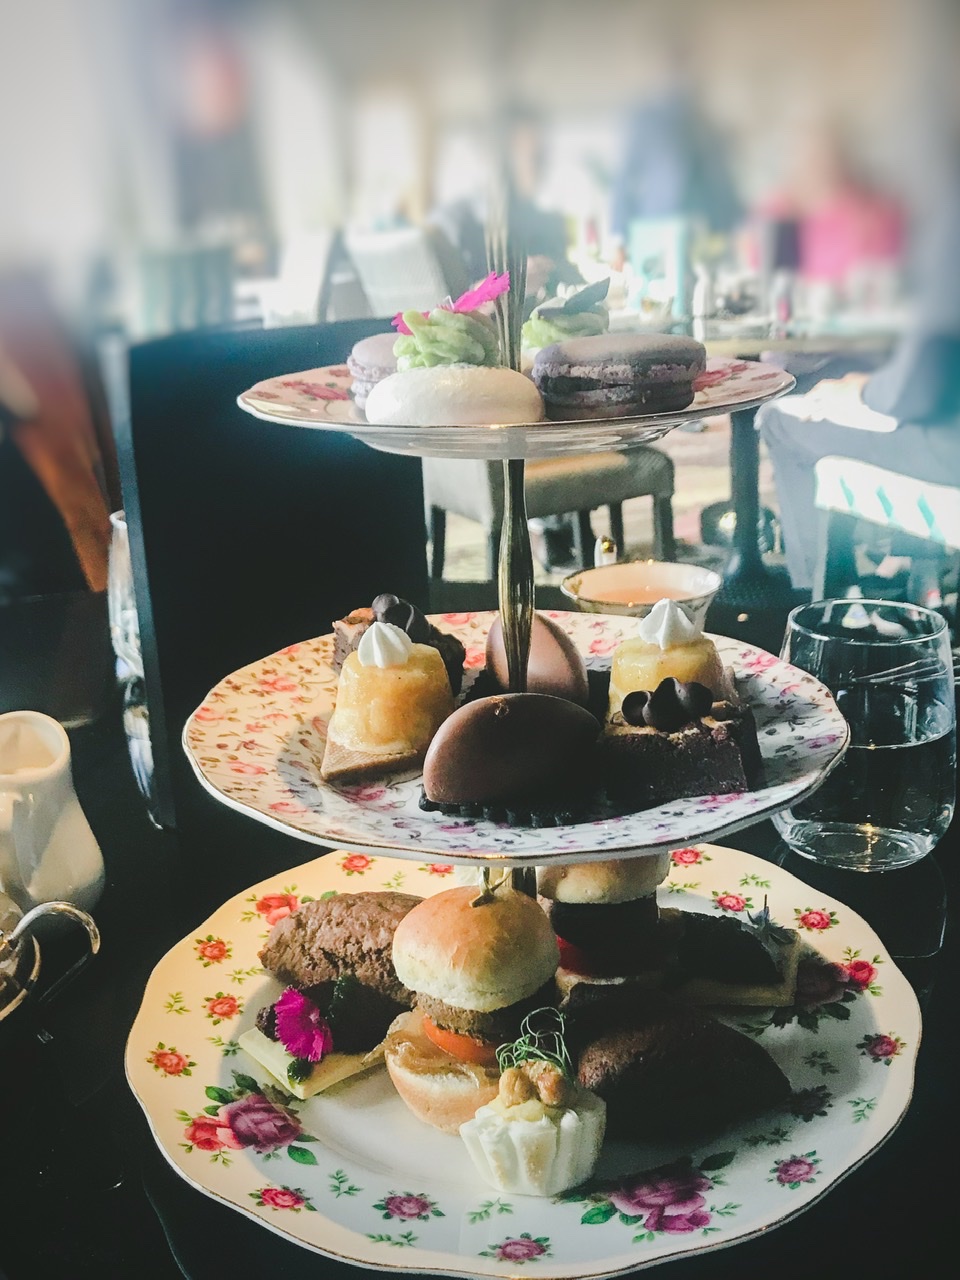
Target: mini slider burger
pixel 605 916
pixel 610 930
pixel 479 962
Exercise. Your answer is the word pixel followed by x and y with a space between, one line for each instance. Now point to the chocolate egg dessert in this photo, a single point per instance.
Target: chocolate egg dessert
pixel 554 666
pixel 523 758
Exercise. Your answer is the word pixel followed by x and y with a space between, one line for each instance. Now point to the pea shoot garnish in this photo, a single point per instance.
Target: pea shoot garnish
pixel 544 1042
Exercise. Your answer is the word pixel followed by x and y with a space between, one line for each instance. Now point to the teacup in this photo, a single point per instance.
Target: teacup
pixel 633 587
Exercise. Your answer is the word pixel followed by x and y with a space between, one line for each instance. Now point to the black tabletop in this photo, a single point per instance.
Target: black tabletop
pixel 84 1191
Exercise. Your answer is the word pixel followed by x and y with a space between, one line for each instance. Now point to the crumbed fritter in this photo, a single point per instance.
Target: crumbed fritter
pixel 666 1071
pixel 350 933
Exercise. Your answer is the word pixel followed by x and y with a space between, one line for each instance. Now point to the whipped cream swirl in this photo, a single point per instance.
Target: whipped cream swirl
pixel 384 645
pixel 667 625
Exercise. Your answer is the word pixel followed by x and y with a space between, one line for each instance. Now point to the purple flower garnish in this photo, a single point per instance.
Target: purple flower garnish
pixel 301 1027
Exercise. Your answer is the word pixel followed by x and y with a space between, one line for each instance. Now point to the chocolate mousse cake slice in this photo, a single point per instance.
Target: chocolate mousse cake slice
pixel 347 633
pixel 674 743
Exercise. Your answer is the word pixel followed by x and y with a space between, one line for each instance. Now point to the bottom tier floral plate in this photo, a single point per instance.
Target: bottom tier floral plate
pixel 351 1174
pixel 257 740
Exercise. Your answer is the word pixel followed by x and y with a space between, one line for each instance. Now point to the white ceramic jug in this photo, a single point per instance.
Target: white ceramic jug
pixel 47 850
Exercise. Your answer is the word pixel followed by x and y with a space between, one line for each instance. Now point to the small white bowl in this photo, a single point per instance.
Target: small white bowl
pixel 633 587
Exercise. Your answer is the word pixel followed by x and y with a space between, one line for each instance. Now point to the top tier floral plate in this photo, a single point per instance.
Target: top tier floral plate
pixel 351 1174
pixel 322 398
pixel 257 740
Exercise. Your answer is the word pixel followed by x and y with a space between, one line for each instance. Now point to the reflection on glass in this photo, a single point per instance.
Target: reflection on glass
pixel 125 638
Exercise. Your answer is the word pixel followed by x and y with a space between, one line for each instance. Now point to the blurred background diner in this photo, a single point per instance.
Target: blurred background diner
pixel 758 175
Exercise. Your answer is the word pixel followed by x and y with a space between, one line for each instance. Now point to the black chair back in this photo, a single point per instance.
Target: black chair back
pixel 246 535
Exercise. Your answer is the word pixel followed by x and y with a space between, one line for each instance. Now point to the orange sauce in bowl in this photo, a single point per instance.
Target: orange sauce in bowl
pixel 638 595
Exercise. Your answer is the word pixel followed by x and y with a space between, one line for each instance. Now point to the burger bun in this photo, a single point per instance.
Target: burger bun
pixel 620 880
pixel 482 957
pixel 439 1090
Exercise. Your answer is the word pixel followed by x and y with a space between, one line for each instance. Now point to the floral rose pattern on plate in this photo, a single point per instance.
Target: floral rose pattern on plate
pixel 731 902
pixel 519 1249
pixel 794 1171
pixel 355 864
pixel 169 1062
pixel 671 1198
pixel 247 1116
pixel 408 1207
pixel 211 950
pixel 847 1044
pixel 881 1048
pixel 221 1007
pixel 688 857
pixel 290 1198
pixel 813 920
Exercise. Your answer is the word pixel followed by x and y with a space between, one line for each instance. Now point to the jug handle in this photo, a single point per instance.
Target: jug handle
pixel 25 923
pixel 10 879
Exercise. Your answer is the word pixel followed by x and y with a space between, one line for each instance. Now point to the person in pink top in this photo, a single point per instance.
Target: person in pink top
pixel 842 225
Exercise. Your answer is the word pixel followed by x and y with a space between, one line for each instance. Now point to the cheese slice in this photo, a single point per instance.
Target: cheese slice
pixel 330 1070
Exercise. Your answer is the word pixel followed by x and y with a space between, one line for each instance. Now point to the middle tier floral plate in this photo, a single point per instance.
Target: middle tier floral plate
pixel 257 741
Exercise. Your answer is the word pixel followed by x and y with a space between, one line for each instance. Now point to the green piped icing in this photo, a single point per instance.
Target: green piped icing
pixel 446 337
pixel 541 330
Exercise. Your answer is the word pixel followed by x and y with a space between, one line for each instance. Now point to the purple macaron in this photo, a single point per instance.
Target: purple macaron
pixel 370 361
pixel 617 375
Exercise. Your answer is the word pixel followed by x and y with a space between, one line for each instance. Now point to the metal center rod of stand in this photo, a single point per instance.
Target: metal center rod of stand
pixel 515 576
pixel 515 588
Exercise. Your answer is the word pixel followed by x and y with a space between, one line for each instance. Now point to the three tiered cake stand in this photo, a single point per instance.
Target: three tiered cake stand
pixel 351 1174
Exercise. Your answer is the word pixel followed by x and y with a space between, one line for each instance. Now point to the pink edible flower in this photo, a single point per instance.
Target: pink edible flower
pixel 301 1028
pixel 489 288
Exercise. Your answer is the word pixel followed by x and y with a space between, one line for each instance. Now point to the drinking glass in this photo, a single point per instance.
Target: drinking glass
pixel 891 797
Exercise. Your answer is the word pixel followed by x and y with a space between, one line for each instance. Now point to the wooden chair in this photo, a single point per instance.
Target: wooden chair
pixel 553 486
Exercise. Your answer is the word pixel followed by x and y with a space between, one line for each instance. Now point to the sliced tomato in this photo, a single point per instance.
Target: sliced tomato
pixel 464 1048
pixel 577 960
